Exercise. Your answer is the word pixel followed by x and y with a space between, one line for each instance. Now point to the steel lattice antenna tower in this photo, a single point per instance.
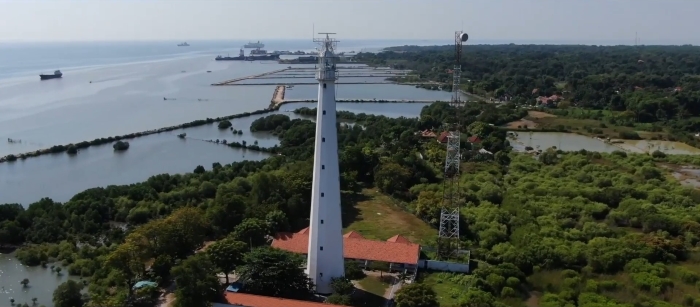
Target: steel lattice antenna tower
pixel 449 215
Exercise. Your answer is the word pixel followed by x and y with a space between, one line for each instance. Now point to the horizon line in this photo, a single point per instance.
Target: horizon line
pixel 446 40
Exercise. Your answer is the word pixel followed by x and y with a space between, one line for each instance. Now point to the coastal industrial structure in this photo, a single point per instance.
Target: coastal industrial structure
pixel 449 214
pixel 325 251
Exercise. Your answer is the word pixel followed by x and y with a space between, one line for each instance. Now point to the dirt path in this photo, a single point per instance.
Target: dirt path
pixel 522 123
pixel 538 114
pixel 168 297
pixel 388 294
pixel 528 121
pixel 278 96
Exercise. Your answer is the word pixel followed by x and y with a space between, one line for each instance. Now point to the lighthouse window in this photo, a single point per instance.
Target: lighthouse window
pixel 324 112
pixel 323 167
pixel 321 221
pixel 324 85
pixel 323 139
pixel 321 247
pixel 321 194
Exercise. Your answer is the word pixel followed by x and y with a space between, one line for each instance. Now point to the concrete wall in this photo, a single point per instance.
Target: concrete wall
pixel 443 266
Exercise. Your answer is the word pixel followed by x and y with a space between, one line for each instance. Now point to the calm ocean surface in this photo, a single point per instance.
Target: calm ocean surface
pixel 106 93
pixel 117 88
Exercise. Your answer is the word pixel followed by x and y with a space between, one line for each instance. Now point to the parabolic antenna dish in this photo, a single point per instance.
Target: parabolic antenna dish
pixel 464 37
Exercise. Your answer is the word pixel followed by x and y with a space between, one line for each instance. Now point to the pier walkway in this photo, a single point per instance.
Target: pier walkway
pixel 316 83
pixel 346 100
pixel 313 76
pixel 301 73
pixel 278 96
pixel 228 82
pixel 280 90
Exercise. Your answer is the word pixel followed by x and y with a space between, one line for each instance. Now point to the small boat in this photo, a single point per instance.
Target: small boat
pixel 183 44
pixel 56 74
pixel 182 135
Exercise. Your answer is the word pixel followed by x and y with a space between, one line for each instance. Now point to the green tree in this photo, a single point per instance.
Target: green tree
pixel 226 255
pixel 68 294
pixel 477 298
pixel 274 272
pixel 392 178
pixel 252 231
pixel 342 286
pixel 197 284
pixel 337 299
pixel 24 282
pixel 416 295
pixel 277 222
pixel 129 259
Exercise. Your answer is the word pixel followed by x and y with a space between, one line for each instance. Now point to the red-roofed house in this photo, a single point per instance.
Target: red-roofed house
pixel 427 134
pixel 544 100
pixel 474 139
pixel 443 137
pixel 353 234
pixel 398 251
pixel 398 239
pixel 249 300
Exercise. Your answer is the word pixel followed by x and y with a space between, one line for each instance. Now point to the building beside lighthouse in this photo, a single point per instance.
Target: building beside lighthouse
pixel 325 242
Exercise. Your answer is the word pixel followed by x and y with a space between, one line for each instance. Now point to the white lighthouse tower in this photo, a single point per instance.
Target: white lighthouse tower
pixel 325 257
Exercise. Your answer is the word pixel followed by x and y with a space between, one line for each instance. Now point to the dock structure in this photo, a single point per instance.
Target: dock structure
pixel 312 83
pixel 344 68
pixel 227 82
pixel 278 96
pixel 309 72
pixel 368 100
pixel 309 77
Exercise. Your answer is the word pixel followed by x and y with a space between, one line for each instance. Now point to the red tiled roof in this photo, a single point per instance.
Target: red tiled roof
pixel 398 239
pixel 250 300
pixel 474 139
pixel 355 247
pixel 428 133
pixel 353 234
pixel 545 99
pixel 443 137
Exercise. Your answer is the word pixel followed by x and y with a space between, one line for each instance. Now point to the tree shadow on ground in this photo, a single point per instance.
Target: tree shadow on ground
pixel 362 298
pixel 348 206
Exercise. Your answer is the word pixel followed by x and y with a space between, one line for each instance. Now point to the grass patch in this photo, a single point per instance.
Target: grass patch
pixel 589 127
pixel 378 218
pixel 374 285
pixel 446 290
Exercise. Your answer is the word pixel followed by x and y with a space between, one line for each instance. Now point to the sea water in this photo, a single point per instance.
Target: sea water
pixel 160 86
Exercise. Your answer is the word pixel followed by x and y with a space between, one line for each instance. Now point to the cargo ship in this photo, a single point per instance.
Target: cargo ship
pixel 183 44
pixel 241 57
pixel 258 51
pixel 254 45
pixel 56 74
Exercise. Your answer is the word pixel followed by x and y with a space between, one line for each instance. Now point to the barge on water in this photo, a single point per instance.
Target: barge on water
pixel 241 57
pixel 55 75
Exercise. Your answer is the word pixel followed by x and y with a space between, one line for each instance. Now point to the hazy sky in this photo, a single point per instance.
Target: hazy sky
pixel 673 21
